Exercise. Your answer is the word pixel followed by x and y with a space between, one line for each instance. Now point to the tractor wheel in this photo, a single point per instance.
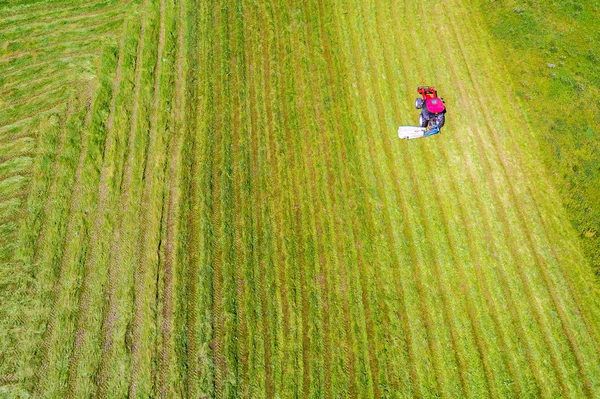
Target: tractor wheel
pixel 441 120
pixel 422 121
pixel 419 103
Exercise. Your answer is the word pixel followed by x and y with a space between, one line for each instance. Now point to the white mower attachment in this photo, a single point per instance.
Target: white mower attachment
pixel 414 132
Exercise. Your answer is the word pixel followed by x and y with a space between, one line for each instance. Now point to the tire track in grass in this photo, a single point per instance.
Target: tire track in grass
pixel 142 349
pixel 111 179
pixel 50 254
pixel 168 383
pixel 538 260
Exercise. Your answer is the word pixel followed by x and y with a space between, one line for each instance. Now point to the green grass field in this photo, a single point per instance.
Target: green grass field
pixel 208 199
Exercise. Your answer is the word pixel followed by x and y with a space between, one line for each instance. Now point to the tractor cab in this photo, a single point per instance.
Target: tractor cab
pixel 429 98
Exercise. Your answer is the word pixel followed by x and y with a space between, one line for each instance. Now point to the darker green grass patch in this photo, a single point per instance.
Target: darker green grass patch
pixel 550 49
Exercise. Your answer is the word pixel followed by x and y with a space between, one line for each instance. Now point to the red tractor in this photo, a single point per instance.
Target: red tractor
pixel 433 110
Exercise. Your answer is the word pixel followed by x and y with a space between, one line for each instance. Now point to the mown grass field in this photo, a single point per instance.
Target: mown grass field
pixel 208 199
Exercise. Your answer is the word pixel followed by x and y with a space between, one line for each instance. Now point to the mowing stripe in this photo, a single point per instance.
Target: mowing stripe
pixel 168 379
pixel 539 261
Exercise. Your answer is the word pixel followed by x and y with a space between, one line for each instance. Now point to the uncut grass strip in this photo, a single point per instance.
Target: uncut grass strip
pixel 418 259
pixel 142 368
pixel 540 264
pixel 169 383
pixel 497 200
pixel 537 213
pixel 104 225
pixel 524 279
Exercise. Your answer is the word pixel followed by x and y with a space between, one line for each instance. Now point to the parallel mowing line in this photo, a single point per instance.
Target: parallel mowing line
pixel 388 228
pixel 537 257
pixel 144 285
pixel 572 291
pixel 228 239
pixel 507 232
pixel 28 70
pixel 114 267
pixel 99 38
pixel 360 257
pixel 331 208
pixel 256 223
pixel 320 240
pixel 27 12
pixel 52 100
pixel 284 257
pixel 413 253
pixel 462 276
pixel 46 24
pixel 46 345
pixel 196 207
pixel 323 132
pixel 68 273
pixel 218 175
pixel 50 32
pixel 474 331
pixel 240 170
pixel 259 167
pixel 503 277
pixel 166 384
pixel 298 225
